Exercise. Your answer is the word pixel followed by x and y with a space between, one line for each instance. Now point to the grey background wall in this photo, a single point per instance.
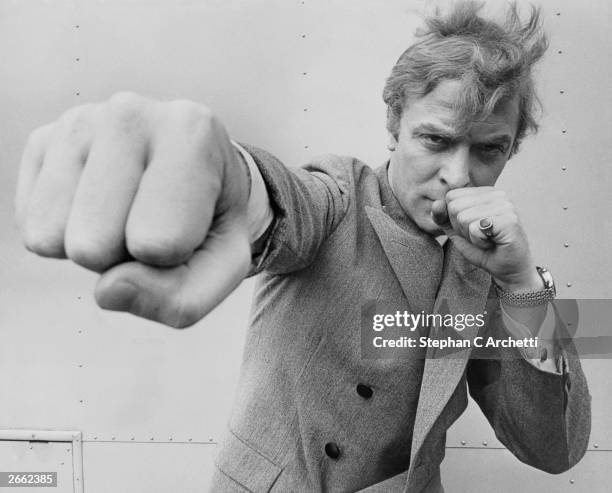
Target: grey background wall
pixel 298 78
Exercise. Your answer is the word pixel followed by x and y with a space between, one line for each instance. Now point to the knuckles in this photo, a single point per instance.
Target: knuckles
pixel 462 218
pixel 190 111
pixel 125 113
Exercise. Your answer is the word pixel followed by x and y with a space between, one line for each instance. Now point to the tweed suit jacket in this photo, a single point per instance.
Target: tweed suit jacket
pixel 340 240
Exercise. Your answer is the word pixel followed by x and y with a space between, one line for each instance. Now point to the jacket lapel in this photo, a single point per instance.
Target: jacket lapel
pixel 415 257
pixel 464 290
pixel 416 261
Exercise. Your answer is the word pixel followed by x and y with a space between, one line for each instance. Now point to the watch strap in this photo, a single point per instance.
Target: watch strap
pixel 530 298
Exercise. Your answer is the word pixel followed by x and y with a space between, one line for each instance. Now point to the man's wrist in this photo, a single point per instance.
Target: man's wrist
pixel 525 282
pixel 241 152
pixel 259 211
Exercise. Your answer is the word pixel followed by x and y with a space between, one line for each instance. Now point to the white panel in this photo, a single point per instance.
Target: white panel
pixel 484 471
pixel 147 468
pixel 113 375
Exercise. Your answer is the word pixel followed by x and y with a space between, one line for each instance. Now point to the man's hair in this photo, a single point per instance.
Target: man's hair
pixel 492 61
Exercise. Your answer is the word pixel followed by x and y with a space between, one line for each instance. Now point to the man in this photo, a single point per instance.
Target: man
pixel 156 198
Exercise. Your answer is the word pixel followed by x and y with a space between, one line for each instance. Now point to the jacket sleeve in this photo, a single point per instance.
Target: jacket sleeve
pixel 308 205
pixel 543 418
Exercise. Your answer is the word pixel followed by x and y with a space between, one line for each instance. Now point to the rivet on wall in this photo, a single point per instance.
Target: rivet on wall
pixel 564 168
pixel 305 110
pixel 485 443
pixel 566 245
pixel 569 284
pixel 77 92
pixel 462 442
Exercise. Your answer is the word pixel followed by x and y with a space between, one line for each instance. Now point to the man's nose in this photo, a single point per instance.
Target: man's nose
pixel 455 169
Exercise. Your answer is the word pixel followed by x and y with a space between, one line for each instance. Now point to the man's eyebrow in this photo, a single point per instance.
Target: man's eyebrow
pixel 452 134
pixel 500 139
pixel 447 132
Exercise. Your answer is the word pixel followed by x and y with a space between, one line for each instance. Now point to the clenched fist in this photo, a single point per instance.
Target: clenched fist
pixel 152 195
pixel 505 254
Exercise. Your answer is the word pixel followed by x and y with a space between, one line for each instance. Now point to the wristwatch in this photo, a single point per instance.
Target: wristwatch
pixel 530 298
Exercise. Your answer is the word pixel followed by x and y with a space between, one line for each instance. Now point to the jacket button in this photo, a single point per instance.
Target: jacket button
pixel 332 450
pixel 364 391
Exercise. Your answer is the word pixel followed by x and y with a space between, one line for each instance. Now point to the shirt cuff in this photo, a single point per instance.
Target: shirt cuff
pixel 546 355
pixel 259 211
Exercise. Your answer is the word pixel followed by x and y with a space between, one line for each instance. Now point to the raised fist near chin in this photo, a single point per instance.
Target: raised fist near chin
pixel 151 195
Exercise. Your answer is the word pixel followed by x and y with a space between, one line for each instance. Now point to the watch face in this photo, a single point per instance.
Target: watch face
pixel 547 278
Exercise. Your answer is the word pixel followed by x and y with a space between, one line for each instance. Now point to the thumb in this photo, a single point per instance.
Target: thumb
pixel 439 214
pixel 181 295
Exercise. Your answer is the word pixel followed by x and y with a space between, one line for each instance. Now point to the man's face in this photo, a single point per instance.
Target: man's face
pixel 432 157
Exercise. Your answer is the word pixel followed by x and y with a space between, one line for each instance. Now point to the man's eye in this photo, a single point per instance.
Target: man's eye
pixel 493 149
pixel 436 140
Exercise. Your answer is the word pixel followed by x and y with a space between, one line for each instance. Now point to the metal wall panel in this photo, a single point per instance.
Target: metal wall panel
pixel 484 471
pixel 112 467
pixel 298 78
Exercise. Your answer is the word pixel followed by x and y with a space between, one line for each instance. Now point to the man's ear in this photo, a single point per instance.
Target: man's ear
pixel 392 143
